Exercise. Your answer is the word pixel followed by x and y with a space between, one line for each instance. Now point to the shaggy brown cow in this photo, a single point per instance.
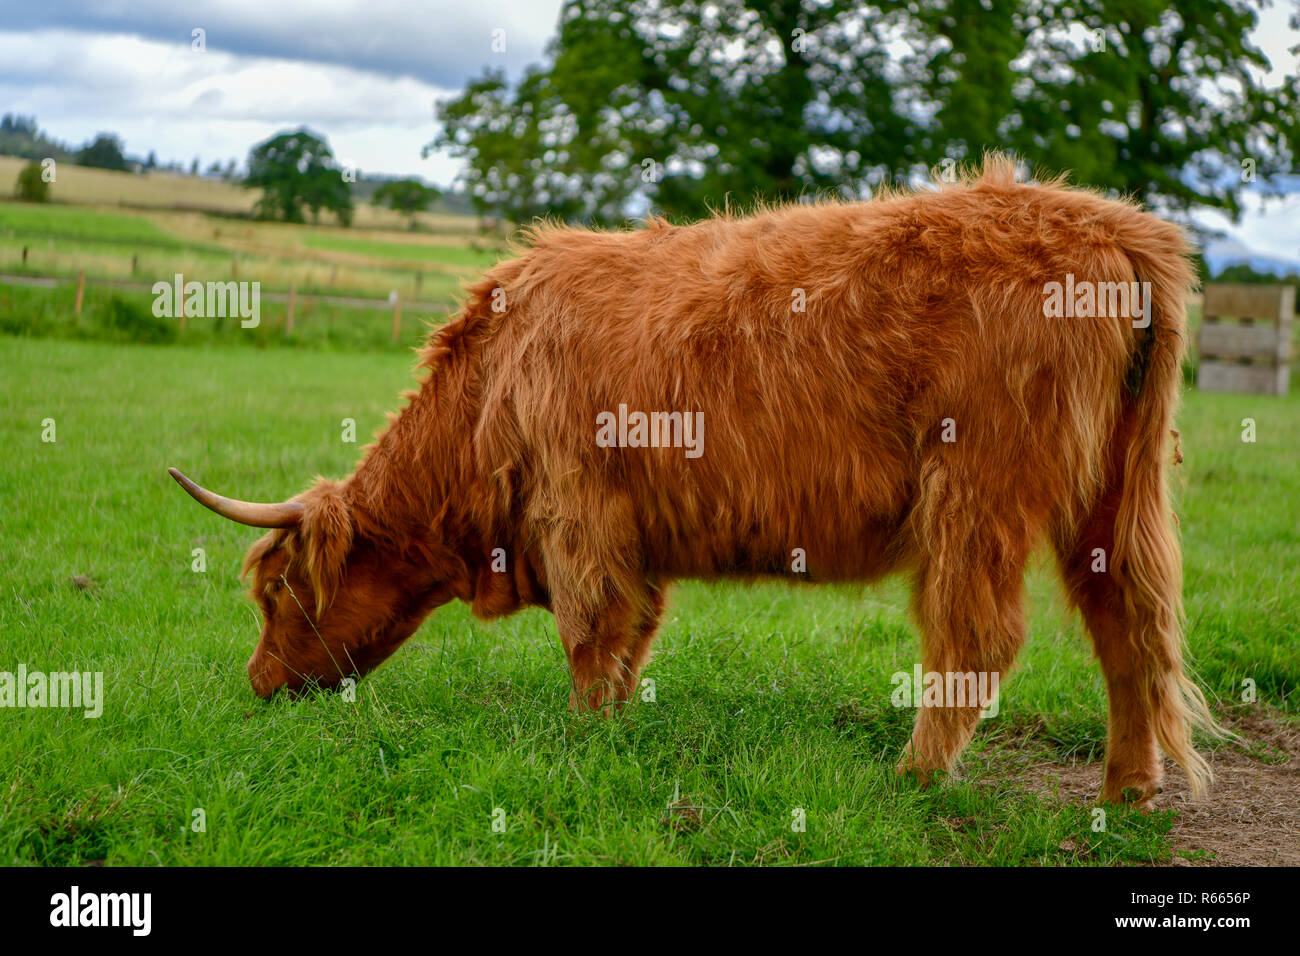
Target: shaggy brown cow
pixel 889 385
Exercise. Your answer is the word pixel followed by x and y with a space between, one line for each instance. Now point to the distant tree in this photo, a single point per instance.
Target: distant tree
pixel 1245 273
pixel 32 186
pixel 103 152
pixel 152 161
pixel 21 125
pixel 407 196
pixel 296 171
pixel 194 167
pixel 20 136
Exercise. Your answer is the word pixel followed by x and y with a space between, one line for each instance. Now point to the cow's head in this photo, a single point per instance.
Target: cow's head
pixel 336 598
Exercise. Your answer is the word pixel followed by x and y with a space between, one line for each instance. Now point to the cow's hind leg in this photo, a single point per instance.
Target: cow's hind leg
pixel 1144 682
pixel 967 601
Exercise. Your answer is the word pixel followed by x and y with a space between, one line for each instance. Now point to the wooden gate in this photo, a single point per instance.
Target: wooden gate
pixel 1245 341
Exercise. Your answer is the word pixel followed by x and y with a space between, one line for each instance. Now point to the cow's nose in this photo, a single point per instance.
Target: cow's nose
pixel 264 684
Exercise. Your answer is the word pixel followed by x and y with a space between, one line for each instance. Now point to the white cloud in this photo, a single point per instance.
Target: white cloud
pixel 439 41
pixel 216 105
pixel 1270 227
pixel 1276 39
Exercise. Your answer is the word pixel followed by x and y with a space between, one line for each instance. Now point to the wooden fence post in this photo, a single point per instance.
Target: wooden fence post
pixel 1245 339
pixel 81 291
pixel 397 317
pixel 288 312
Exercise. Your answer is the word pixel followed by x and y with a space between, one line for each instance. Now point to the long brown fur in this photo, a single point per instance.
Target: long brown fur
pixel 823 432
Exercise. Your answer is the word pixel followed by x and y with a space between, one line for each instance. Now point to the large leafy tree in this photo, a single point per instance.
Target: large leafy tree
pixel 296 172
pixel 685 104
pixel 1153 98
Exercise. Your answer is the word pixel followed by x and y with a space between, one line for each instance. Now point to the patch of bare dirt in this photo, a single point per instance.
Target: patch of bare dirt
pixel 1251 816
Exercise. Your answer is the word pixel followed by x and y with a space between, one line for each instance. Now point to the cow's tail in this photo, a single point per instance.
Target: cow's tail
pixel 1147 561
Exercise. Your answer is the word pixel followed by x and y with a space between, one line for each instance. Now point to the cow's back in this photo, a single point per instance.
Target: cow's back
pixel 831 350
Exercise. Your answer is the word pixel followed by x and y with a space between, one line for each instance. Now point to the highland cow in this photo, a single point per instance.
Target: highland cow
pixel 879 389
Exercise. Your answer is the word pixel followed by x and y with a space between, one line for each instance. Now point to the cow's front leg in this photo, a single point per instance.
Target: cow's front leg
pixel 606 609
pixel 607 645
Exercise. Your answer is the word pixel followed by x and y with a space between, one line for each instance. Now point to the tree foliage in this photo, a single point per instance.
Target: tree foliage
pixel 682 104
pixel 103 152
pixel 296 173
pixel 20 136
pixel 407 196
pixel 32 185
pixel 1154 98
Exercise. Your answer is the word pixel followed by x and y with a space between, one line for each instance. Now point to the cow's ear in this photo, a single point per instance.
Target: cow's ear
pixel 326 533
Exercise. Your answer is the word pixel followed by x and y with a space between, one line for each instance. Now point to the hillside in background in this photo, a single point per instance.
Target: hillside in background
pixel 86 185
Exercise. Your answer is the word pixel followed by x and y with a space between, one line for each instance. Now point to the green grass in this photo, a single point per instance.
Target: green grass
pixel 115 315
pixel 768 698
pixel 446 253
pixel 62 241
pixel 30 221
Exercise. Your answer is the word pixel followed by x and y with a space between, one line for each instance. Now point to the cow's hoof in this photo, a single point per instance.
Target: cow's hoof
pixel 924 776
pixel 1132 794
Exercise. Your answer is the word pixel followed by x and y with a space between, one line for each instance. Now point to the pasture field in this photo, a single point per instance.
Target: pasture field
pixel 770 699
pixel 143 247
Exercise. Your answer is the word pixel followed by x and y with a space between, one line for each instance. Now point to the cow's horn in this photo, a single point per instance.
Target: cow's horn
pixel 283 514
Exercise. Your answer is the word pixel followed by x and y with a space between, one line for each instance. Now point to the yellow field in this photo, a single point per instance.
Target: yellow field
pixel 102 187
pixel 81 184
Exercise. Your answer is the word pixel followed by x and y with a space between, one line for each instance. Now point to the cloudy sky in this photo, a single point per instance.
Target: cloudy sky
pixel 365 73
